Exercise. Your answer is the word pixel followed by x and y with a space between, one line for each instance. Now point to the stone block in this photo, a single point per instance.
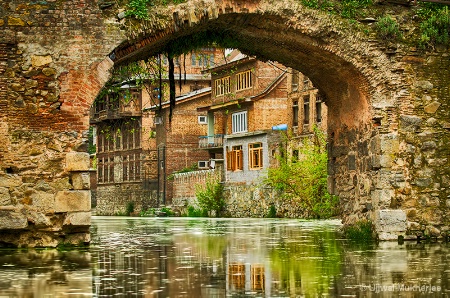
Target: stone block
pixel 78 219
pixel 410 123
pixel 38 219
pixel 78 238
pixel 12 220
pixel 390 224
pixel 43 201
pixel 432 107
pixel 389 144
pixel 382 198
pixel 37 61
pixel 81 180
pixel 5 197
pixel 10 181
pixel 73 200
pixel 77 161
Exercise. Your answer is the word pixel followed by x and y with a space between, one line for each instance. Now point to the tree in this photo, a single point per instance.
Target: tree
pixel 303 176
pixel 210 196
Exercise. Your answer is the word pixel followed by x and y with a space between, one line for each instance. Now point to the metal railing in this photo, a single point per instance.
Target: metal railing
pixel 215 141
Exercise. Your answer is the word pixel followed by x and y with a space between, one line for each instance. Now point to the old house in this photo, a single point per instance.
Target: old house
pixel 249 99
pixel 258 111
pixel 127 159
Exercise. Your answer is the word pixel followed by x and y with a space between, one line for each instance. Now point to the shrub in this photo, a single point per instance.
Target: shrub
pixel 194 212
pixel 210 196
pixel 360 231
pixel 129 209
pixel 388 28
pixel 167 211
pixel 148 212
pixel 272 212
pixel 303 178
pixel 435 28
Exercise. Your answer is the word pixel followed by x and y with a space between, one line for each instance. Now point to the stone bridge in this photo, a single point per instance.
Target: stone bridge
pixel 388 102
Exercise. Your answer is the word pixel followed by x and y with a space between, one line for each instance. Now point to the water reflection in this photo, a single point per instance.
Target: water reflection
pixel 180 257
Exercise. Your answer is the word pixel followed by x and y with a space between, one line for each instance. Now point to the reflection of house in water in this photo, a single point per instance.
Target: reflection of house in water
pixel 239 279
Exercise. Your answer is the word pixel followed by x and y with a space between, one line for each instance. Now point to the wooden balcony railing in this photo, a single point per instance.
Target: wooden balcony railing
pixel 215 141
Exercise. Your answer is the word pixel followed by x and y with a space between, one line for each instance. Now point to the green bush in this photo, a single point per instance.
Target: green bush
pixel 388 29
pixel 303 178
pixel 129 209
pixel 360 231
pixel 272 212
pixel 167 211
pixel 435 27
pixel 194 212
pixel 210 196
pixel 147 213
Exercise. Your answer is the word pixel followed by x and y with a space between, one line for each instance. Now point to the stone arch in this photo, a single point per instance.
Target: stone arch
pixel 389 131
pixel 350 70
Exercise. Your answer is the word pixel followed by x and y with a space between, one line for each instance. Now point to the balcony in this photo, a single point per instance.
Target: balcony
pixel 211 142
pixel 114 113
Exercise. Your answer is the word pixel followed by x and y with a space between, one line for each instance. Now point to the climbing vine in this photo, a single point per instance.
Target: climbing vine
pixel 139 9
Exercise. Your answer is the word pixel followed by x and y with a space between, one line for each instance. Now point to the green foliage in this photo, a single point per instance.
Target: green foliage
pixel 167 211
pixel 147 213
pixel 303 178
pixel 195 212
pixel 129 209
pixel 360 231
pixel 139 8
pixel 272 212
pixel 350 9
pixel 92 149
pixel 388 29
pixel 210 196
pixel 435 27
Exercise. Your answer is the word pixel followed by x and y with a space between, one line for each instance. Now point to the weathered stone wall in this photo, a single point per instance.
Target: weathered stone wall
pixel 185 185
pixel 51 69
pixel 387 103
pixel 255 200
pixel 114 199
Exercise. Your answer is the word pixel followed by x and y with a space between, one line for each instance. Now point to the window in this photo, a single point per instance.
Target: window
pixel 294 80
pixel 255 152
pixel 295 113
pixel 100 170
pixel 222 86
pixel 137 167
pixel 118 138
pixel 305 83
pixel 239 122
pixel 243 80
pixel 193 59
pixel 125 168
pixel 295 155
pixel 318 109
pixel 235 158
pixel 306 110
pixel 101 137
pixel 203 164
pixel 202 120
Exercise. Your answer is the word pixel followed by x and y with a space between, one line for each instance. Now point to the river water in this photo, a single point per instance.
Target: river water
pixel 192 257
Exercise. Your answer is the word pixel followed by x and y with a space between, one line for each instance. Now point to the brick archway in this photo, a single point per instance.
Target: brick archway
pixel 388 129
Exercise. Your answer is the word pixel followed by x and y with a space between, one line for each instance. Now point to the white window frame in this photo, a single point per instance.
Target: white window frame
pixel 239 122
pixel 203 164
pixel 202 120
